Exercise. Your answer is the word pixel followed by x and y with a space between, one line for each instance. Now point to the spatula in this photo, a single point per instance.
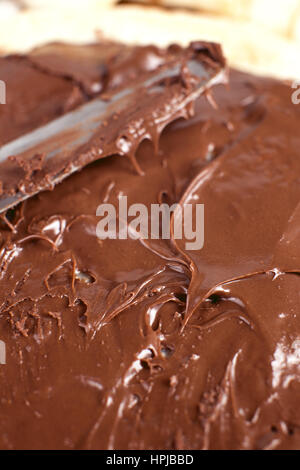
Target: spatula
pixel 114 124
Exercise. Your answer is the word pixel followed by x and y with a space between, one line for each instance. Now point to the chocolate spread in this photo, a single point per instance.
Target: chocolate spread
pixel 142 344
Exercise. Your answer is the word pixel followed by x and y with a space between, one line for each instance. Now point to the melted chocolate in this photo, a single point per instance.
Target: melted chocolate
pixel 160 90
pixel 141 344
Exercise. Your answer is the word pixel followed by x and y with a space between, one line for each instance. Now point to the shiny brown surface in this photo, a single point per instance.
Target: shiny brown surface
pixel 140 344
pixel 133 105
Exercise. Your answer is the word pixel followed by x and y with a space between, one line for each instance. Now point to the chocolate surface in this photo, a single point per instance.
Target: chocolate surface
pixel 141 344
pixel 132 106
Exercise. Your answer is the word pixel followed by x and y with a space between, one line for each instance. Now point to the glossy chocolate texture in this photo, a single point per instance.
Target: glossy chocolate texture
pixel 141 344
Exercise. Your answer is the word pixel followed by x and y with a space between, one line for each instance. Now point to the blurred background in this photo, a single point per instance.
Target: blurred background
pixel 262 36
